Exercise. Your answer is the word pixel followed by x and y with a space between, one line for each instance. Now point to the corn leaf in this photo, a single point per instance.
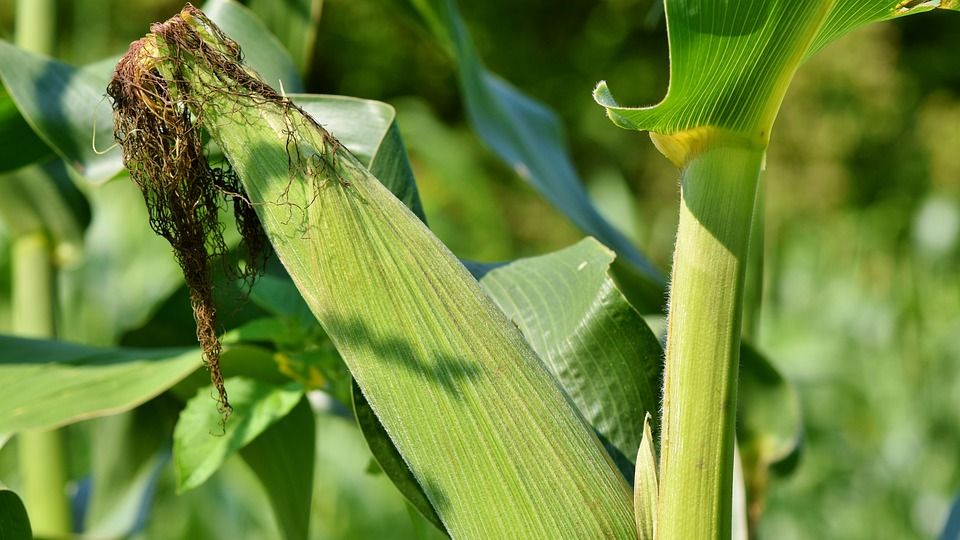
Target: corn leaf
pixel 263 52
pixel 450 378
pixel 295 23
pixel 19 145
pixel 49 384
pixel 731 63
pixel 595 344
pixel 201 439
pixel 529 137
pixel 65 106
pixel 14 523
pixel 390 460
pixel 282 457
pixel 127 452
pixel 42 197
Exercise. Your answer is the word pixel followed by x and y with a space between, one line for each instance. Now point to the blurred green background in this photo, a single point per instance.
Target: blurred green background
pixel 862 296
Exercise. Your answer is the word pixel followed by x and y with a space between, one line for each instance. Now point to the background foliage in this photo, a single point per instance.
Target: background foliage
pixel 862 305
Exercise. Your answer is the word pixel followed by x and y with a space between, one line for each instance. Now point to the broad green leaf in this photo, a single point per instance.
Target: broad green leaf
pixel 65 106
pixel 390 460
pixel 48 384
pixel 731 63
pixel 282 457
pixel 594 343
pixel 202 441
pixel 530 138
pixel 450 378
pixel 19 145
pixel 262 51
pixel 295 23
pixel 14 523
pixel 127 452
pixel 645 486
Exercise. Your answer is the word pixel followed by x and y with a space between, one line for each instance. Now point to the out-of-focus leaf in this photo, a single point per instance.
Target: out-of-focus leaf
pixel 127 451
pixel 14 523
pixel 645 486
pixel 595 344
pixel 295 24
pixel 262 50
pixel 530 138
pixel 202 442
pixel 48 384
pixel 121 254
pixel 65 106
pixel 19 145
pixel 390 460
pixel 769 423
pixel 42 197
pixel 282 457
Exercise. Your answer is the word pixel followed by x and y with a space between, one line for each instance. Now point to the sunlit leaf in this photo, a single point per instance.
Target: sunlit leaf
pixel 390 460
pixel 49 384
pixel 202 441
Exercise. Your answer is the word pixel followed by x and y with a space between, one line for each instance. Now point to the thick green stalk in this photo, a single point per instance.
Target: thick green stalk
pixel 40 452
pixel 753 287
pixel 34 25
pixel 718 190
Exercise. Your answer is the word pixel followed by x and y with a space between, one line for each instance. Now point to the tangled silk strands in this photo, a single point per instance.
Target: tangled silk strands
pixel 158 118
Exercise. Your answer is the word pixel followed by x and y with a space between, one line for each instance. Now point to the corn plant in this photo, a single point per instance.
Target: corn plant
pixel 518 400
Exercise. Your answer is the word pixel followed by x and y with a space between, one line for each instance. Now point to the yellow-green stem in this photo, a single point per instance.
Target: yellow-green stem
pixel 34 25
pixel 40 453
pixel 718 190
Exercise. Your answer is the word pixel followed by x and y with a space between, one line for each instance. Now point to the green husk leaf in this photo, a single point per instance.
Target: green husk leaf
pixel 202 442
pixel 450 378
pixel 645 485
pixel 389 459
pixel 282 457
pixel 529 137
pixel 48 384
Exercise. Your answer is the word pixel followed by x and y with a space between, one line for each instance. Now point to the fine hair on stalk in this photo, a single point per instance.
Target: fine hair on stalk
pixel 157 123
